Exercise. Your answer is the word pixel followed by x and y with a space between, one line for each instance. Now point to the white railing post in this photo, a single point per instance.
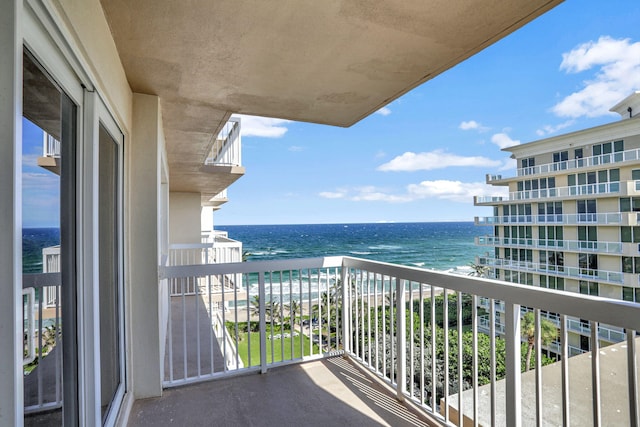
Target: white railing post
pixel 513 362
pixel 346 309
pixel 401 336
pixel 263 323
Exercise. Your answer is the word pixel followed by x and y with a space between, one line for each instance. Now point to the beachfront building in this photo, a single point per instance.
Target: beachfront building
pixel 570 221
pixel 136 94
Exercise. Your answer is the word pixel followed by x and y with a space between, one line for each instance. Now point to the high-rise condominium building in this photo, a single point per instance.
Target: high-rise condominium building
pixel 571 220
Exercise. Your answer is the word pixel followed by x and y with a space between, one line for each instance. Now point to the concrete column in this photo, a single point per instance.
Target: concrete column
pixel 11 392
pixel 184 217
pixel 145 160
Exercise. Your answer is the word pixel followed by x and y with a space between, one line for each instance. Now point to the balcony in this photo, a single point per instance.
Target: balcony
pixel 586 162
pixel 312 310
pixel 565 245
pixel 605 218
pixel 590 190
pixel 614 277
pixel 50 158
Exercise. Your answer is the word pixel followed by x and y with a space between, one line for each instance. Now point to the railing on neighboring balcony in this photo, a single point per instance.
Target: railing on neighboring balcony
pixel 565 245
pixel 603 159
pixel 555 270
pixel 42 339
pixel 384 316
pixel 227 147
pixel 557 192
pixel 606 218
pixel 50 146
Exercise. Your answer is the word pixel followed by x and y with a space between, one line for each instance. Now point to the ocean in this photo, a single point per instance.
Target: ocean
pixel 441 246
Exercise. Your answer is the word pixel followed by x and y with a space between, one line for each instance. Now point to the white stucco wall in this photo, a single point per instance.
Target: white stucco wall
pixel 184 217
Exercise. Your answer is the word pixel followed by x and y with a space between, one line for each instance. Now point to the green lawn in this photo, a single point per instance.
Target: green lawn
pixel 278 355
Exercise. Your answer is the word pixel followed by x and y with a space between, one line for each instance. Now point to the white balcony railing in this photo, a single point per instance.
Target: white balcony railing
pixel 227 147
pixel 565 245
pixel 558 192
pixel 50 146
pixel 310 308
pixel 604 159
pixel 42 338
pixel 608 218
pixel 555 270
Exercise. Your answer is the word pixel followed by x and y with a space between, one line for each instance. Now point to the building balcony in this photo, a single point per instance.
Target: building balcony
pixel 572 192
pixel 564 245
pixel 605 218
pixel 51 150
pixel 569 165
pixel 614 277
pixel 339 315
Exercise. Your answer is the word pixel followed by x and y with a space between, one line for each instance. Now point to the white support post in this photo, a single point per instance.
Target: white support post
pixel 401 347
pixel 513 362
pixel 262 319
pixel 346 309
pixel 11 388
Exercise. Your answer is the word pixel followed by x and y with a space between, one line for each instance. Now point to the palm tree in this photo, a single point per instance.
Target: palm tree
pixel 548 333
pixel 294 308
pixel 479 270
pixel 255 306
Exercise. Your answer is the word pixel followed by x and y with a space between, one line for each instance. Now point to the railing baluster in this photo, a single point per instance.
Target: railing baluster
pixel 595 374
pixel 632 379
pixel 376 335
pixel 384 326
pixel 369 358
pixel 434 337
pixel 410 339
pixel 538 344
pixel 474 326
pixel 262 321
pixel 421 315
pixel 512 362
pixel 445 327
pixel 401 328
pixel 565 370
pixel 460 353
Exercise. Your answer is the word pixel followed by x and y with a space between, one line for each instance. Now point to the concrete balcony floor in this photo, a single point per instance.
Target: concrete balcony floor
pixel 319 393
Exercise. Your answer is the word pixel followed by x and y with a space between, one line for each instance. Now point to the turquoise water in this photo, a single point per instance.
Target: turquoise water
pixel 433 245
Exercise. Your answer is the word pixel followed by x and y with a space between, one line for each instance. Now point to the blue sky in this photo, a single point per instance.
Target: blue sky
pixel 424 156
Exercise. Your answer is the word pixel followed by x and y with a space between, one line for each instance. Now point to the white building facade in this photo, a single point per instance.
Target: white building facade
pixel 571 220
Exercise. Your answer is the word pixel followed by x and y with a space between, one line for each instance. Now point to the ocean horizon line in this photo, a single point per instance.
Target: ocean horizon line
pixel 353 223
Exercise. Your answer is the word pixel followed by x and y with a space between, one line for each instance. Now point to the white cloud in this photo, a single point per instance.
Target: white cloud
pixel 503 140
pixel 295 148
pixel 455 191
pixel 384 111
pixel 262 126
pixel 438 159
pixel 472 125
pixel 333 194
pixel 548 129
pixel 617 63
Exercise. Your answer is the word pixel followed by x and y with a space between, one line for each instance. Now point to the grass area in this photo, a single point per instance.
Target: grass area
pixel 277 355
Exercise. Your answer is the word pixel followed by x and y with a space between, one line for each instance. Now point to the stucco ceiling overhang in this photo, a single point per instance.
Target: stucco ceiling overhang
pixel 331 62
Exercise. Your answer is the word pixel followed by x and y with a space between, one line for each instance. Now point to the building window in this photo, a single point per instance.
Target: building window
pixel 552 282
pixel 608 152
pixel 550 236
pixel 592 182
pixel 631 294
pixel 552 260
pixel 588 264
pixel 630 264
pixel 550 212
pixel 589 288
pixel 587 210
pixel 518 235
pixel 635 174
pixel 527 165
pixel 630 204
pixel 630 234
pixel 517 213
pixel 579 154
pixel 587 236
pixel 560 159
